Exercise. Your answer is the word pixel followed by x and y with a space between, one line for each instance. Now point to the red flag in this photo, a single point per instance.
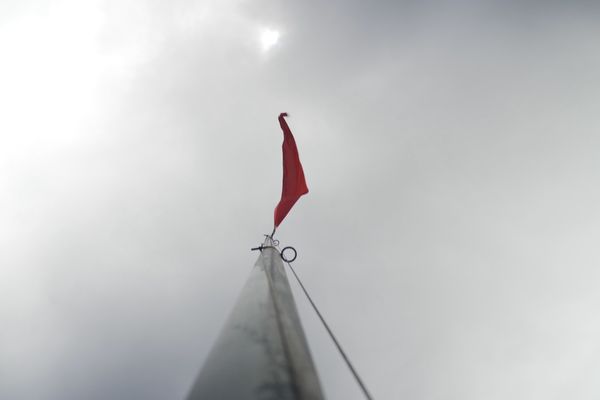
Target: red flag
pixel 294 184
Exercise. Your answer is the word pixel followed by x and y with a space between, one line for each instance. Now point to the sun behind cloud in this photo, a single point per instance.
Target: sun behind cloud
pixel 268 39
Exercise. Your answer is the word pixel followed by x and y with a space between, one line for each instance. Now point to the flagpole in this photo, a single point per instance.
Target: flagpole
pixel 262 352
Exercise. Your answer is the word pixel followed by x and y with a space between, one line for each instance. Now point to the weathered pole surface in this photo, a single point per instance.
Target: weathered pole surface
pixel 262 352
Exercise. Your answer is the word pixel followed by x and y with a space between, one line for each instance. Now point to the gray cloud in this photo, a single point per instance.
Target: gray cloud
pixel 449 235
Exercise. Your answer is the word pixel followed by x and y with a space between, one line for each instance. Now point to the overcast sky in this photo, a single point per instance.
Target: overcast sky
pixel 450 236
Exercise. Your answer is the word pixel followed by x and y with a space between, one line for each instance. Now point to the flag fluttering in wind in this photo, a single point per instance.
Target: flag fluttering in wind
pixel 294 184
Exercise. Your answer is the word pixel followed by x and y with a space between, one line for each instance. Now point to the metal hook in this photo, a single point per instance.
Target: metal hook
pixel 275 241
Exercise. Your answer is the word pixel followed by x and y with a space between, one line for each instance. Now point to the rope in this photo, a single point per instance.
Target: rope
pixel 332 336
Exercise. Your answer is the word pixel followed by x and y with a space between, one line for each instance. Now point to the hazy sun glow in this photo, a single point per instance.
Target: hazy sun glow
pixel 268 38
pixel 48 75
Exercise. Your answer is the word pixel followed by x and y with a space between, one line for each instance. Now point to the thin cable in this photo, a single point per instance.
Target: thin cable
pixel 332 336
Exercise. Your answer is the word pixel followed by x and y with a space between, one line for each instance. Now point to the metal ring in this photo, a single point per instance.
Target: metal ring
pixel 275 242
pixel 288 260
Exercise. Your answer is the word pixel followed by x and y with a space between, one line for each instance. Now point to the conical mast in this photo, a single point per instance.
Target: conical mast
pixel 262 352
